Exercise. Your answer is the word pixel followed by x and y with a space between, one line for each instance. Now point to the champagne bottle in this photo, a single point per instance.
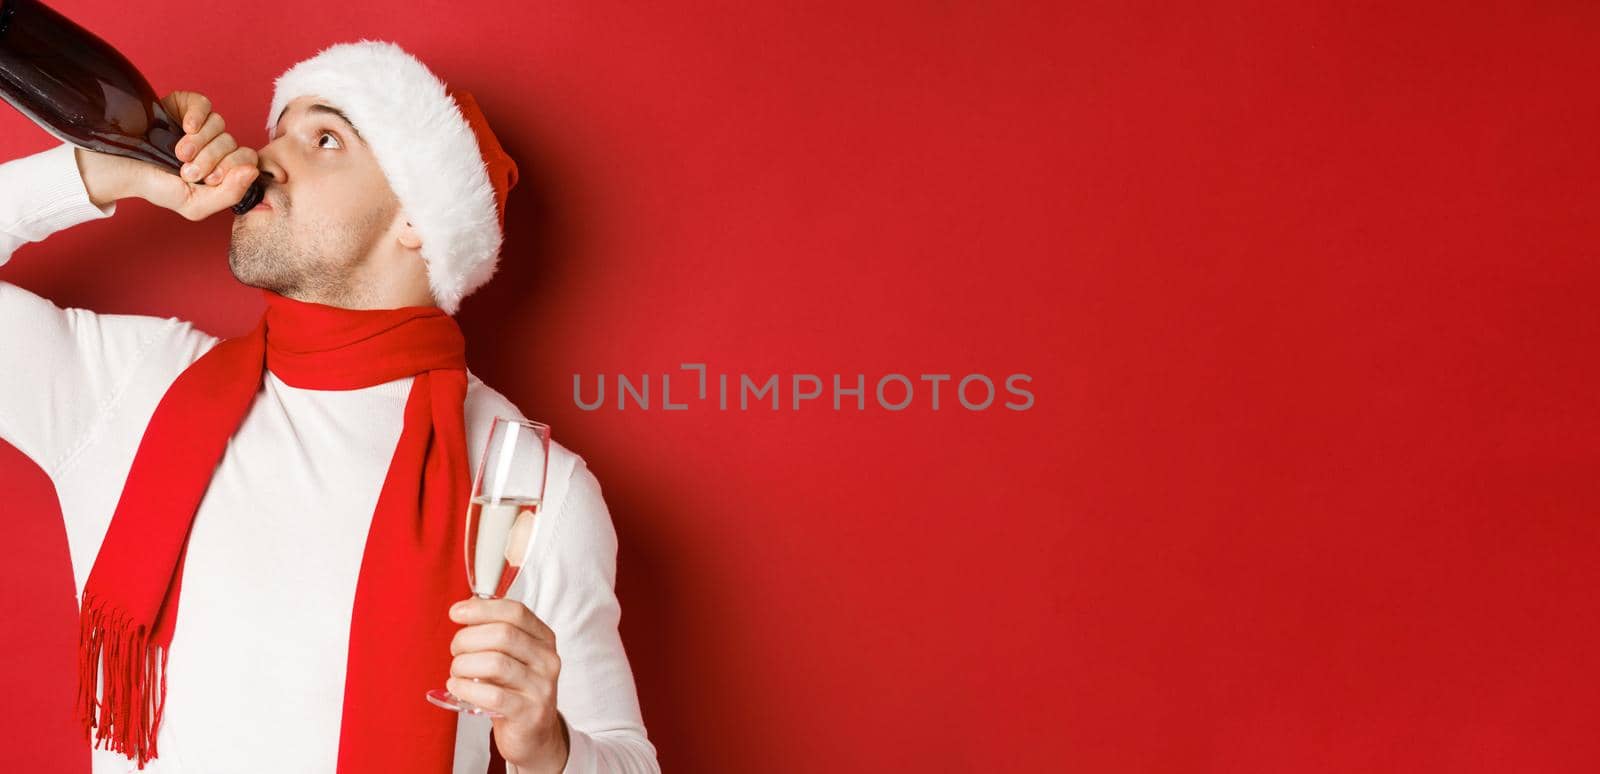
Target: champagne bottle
pixel 77 87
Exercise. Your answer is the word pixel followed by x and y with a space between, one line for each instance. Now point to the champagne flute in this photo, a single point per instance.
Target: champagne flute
pixel 503 520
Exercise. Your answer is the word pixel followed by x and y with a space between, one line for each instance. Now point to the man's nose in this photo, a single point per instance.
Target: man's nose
pixel 267 160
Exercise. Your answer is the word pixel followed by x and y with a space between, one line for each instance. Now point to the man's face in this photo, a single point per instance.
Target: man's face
pixel 327 211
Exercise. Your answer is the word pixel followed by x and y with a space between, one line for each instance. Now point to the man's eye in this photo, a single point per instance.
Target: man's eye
pixel 327 134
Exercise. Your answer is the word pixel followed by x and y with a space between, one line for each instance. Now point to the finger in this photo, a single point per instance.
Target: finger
pixel 190 108
pixel 205 201
pixel 235 183
pixel 513 611
pixel 540 662
pixel 240 157
pixel 193 142
pixel 492 697
pixel 497 636
pixel 493 666
pixel 207 159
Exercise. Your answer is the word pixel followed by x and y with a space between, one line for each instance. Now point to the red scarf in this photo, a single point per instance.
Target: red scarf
pixel 412 570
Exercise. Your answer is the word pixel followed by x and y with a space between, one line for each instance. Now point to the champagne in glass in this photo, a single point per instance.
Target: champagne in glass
pixel 503 518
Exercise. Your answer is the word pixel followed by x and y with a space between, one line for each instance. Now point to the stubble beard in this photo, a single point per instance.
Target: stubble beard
pixel 258 255
pixel 266 256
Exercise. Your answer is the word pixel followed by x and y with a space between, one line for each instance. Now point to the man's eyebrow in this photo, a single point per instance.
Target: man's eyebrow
pixel 330 110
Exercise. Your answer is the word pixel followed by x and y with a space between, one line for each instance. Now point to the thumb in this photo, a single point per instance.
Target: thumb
pixel 162 188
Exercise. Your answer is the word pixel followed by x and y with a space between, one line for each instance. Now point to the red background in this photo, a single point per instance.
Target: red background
pixel 1308 296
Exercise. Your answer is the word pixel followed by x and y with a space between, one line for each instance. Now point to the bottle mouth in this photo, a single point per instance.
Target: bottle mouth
pixel 252 197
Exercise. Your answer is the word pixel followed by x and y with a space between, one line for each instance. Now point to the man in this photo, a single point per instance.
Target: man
pixel 300 489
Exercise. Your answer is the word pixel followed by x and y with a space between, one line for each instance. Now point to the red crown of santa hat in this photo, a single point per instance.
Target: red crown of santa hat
pixel 434 146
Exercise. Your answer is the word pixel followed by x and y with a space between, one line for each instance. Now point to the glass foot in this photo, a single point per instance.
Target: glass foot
pixel 440 697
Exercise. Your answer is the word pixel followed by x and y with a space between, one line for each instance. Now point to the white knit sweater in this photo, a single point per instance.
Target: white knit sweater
pixel 257 664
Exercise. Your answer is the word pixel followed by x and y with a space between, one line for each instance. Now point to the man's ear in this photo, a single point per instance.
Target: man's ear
pixel 409 238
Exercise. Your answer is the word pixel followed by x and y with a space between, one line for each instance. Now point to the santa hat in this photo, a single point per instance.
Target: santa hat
pixel 434 146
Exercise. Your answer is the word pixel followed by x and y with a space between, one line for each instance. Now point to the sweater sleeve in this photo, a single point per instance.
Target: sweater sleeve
pixel 574 593
pixel 42 194
pixel 60 369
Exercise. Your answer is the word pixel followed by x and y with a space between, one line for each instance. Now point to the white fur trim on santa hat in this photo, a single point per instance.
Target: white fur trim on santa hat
pixel 425 148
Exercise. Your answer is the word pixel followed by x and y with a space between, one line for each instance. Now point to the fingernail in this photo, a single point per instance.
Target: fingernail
pixel 213 177
pixel 188 171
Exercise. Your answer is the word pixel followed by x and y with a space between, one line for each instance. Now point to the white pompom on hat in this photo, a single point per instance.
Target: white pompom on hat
pixel 434 146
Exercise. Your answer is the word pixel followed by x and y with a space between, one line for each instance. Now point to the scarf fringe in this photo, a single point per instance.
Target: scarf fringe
pixel 134 696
